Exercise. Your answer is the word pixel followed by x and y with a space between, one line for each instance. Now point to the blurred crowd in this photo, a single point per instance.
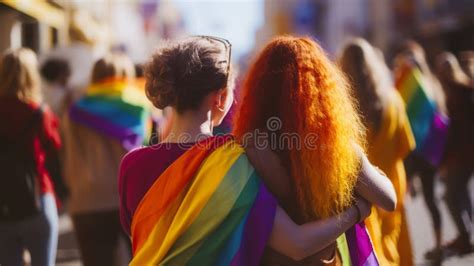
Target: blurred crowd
pixel 69 118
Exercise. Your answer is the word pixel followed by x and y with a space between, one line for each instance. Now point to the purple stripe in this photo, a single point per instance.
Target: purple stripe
pixel 371 260
pixel 360 246
pixel 433 147
pixel 128 138
pixel 257 230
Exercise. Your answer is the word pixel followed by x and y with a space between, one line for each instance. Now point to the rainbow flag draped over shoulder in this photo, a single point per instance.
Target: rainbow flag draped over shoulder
pixel 429 126
pixel 208 208
pixel 115 109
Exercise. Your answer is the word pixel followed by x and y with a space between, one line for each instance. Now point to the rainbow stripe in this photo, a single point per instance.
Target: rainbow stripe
pixel 208 208
pixel 429 126
pixel 115 109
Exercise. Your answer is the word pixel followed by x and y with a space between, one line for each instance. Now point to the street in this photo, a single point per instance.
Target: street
pixel 421 231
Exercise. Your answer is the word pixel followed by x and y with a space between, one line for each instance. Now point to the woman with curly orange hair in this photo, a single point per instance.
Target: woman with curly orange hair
pixel 317 135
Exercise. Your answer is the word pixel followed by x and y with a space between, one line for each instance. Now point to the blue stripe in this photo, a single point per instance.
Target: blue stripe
pixel 230 249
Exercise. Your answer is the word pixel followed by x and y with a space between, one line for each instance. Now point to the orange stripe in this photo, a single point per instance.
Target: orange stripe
pixel 405 72
pixel 166 188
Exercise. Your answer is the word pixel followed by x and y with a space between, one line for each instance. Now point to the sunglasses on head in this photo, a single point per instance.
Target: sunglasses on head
pixel 227 45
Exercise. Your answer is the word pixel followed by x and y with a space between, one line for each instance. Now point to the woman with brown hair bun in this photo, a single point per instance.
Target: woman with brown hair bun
pixel 390 140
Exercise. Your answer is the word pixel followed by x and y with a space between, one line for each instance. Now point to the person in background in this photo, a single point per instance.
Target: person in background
pixel 109 120
pixel 139 76
pixel 28 134
pixel 389 140
pixel 458 166
pixel 413 57
pixel 55 73
pixel 466 59
pixel 414 52
pixel 81 53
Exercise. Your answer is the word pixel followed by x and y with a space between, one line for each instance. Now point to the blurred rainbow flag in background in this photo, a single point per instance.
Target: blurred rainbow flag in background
pixel 116 109
pixel 429 126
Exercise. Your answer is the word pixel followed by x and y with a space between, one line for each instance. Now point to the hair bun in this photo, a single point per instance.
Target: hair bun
pixel 181 74
pixel 160 82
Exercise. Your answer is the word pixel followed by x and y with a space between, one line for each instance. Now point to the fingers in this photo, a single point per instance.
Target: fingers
pixel 364 206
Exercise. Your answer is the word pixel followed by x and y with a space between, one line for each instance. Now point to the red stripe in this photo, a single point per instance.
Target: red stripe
pixel 405 71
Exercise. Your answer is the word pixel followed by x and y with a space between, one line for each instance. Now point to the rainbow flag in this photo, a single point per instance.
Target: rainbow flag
pixel 429 126
pixel 208 208
pixel 115 109
pixel 356 247
pixel 211 208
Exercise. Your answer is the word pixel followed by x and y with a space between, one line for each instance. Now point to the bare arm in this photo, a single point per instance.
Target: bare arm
pixel 301 241
pixel 372 184
pixel 375 186
pixel 298 242
pixel 273 173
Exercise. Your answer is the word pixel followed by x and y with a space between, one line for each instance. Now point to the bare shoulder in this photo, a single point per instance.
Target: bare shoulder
pixel 270 168
pixel 261 155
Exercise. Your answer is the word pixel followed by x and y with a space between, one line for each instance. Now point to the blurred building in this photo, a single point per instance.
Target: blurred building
pixel 36 24
pixel 437 24
pixel 137 26
pixel 131 26
pixel 331 22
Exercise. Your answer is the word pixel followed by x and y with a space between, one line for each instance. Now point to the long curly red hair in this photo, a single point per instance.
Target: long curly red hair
pixel 293 80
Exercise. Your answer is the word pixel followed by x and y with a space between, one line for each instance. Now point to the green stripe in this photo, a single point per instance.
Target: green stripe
pixel 343 250
pixel 215 211
pixel 209 252
pixel 420 113
pixel 116 102
pixel 417 103
pixel 411 84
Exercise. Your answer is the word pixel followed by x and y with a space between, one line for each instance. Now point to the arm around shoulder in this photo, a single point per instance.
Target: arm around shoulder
pixel 375 186
pixel 301 241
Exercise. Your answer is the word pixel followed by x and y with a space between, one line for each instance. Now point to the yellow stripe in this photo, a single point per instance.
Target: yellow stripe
pixel 127 92
pixel 203 186
pixel 214 213
pixel 149 248
pixel 410 84
pixel 112 89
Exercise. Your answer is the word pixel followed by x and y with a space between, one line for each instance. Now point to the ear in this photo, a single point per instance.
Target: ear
pixel 220 99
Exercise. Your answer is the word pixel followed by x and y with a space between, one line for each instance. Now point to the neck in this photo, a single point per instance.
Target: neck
pixel 191 126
